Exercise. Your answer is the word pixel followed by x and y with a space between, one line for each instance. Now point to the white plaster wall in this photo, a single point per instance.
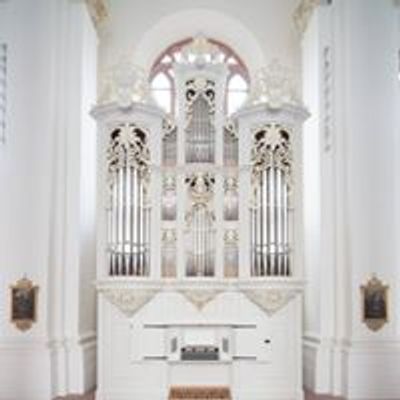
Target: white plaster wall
pixel 371 127
pixel 36 172
pixel 258 31
pixel 371 121
pixel 358 196
pixel 24 200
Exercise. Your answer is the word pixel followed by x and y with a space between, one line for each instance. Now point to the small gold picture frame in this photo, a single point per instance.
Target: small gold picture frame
pixel 374 297
pixel 24 297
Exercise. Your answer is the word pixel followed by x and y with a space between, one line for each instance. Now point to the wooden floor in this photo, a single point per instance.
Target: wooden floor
pixel 90 396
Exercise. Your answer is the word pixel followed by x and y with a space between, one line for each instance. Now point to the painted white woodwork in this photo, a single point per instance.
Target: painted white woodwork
pixel 138 349
pixel 252 323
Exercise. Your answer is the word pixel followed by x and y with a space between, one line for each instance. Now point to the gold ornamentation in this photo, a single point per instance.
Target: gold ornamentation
pixel 200 297
pixel 303 13
pixel 201 51
pixel 124 83
pixel 374 297
pixel 24 304
pixel 231 237
pixel 272 148
pixel 98 11
pixel 270 300
pixel 275 86
pixel 128 301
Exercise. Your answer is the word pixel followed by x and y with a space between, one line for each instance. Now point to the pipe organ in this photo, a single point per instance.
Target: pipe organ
pixel 199 238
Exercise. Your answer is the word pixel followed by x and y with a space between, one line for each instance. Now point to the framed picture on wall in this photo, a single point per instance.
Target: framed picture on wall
pixel 374 297
pixel 24 298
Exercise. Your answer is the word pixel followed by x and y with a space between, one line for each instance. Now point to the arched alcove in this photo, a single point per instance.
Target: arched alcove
pixel 190 23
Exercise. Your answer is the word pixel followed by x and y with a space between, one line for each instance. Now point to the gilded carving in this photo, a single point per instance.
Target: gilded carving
pixel 128 301
pixel 200 297
pixel 275 86
pixel 270 300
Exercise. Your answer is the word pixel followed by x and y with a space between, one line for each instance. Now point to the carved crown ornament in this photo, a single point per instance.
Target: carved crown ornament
pixel 270 300
pixel 201 51
pixel 124 83
pixel 275 86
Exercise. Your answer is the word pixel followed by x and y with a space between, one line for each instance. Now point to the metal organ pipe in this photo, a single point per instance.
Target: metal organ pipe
pixel 128 220
pixel 270 216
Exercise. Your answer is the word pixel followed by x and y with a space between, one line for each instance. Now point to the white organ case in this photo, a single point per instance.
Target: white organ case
pixel 199 251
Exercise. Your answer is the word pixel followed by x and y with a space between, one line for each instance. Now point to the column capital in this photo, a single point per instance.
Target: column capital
pixel 304 11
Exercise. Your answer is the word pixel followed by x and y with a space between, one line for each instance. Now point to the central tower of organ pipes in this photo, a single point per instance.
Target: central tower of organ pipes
pixel 128 213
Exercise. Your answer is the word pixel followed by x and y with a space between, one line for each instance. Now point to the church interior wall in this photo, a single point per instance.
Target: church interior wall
pixel 358 170
pixel 42 233
pixel 243 28
pixel 352 208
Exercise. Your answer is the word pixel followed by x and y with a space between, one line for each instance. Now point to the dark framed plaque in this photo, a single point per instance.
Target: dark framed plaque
pixel 374 297
pixel 24 297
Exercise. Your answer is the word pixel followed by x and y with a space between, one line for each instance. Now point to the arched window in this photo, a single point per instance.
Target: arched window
pixel 162 76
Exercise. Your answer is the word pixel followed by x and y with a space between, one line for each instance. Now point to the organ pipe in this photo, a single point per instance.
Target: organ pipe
pixel 269 216
pixel 128 219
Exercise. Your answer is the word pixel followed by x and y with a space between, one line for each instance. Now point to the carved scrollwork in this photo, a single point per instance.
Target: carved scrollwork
pixel 201 51
pixel 231 237
pixel 201 186
pixel 128 301
pixel 124 83
pixel 128 147
pixel 270 300
pixel 200 87
pixel 169 237
pixel 200 297
pixel 275 86
pixel 230 129
pixel 272 148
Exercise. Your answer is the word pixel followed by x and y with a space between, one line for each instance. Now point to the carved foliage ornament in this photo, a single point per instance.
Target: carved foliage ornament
pixel 200 297
pixel 200 88
pixel 275 86
pixel 128 301
pixel 270 300
pixel 201 186
pixel 128 147
pixel 374 296
pixel 124 83
pixel 272 148
pixel 201 52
